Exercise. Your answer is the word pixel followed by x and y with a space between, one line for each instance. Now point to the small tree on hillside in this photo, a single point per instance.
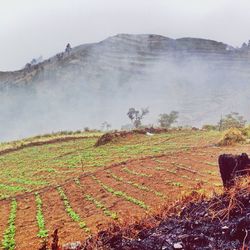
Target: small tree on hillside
pixel 167 120
pixel 209 127
pixel 136 116
pixel 68 48
pixel 232 120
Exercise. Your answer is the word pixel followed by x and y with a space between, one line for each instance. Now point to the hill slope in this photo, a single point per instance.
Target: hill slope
pixel 96 82
pixel 80 189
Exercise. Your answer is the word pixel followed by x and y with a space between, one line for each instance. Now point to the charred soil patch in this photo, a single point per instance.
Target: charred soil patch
pixel 222 222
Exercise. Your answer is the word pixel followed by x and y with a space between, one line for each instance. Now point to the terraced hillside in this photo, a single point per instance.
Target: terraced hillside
pixel 79 189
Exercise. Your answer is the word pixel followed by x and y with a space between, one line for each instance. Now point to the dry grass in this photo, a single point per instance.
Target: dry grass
pixel 231 200
pixel 231 137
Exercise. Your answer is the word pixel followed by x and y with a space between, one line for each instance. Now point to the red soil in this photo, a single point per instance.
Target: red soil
pixel 26 235
pixel 196 171
pixel 56 217
pixel 4 216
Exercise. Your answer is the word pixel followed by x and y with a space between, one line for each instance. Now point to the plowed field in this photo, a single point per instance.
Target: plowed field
pixel 82 188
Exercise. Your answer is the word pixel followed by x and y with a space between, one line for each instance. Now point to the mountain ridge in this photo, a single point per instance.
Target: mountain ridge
pixel 179 44
pixel 202 79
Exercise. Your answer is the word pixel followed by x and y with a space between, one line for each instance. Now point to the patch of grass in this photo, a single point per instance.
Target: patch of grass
pixel 218 185
pixel 159 168
pixel 72 214
pixel 174 184
pixel 8 242
pixel 43 232
pixel 12 188
pixel 29 182
pixel 51 170
pixel 101 206
pixel 122 194
pixel 214 164
pixel 45 137
pixel 136 185
pixel 177 184
pixel 211 172
pixel 129 171
pixel 51 164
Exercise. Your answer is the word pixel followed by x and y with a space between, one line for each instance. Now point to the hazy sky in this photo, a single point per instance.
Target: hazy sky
pixel 30 28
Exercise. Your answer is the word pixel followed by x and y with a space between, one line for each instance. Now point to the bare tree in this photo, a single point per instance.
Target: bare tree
pixel 136 116
pixel 231 120
pixel 106 126
pixel 68 48
pixel 166 120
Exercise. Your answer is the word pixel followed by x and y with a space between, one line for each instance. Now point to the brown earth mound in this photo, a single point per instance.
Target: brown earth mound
pixel 113 136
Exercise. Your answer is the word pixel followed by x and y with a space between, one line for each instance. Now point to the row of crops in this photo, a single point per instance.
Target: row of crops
pixel 8 239
pixel 172 173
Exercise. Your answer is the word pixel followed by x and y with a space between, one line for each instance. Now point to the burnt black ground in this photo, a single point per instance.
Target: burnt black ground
pixel 195 228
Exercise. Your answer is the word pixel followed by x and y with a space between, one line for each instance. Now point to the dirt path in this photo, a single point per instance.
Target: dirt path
pixel 56 217
pixel 26 235
pixel 93 217
pixel 4 216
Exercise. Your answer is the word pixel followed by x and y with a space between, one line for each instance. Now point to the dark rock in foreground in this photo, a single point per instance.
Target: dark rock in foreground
pixel 232 166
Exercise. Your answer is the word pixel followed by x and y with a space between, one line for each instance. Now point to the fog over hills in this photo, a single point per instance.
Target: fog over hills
pixel 93 83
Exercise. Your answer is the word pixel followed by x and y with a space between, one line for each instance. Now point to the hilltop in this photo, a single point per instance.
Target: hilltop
pixel 123 53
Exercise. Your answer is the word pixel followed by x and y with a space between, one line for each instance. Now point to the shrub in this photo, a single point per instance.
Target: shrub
pixel 246 131
pixel 232 136
pixel 86 129
pixel 209 127
pixel 166 120
pixel 136 116
pixel 232 120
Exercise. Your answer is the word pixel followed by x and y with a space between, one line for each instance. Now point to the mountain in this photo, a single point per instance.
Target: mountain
pixel 92 83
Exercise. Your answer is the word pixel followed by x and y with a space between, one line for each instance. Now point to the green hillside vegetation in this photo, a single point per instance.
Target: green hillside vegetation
pixel 36 167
